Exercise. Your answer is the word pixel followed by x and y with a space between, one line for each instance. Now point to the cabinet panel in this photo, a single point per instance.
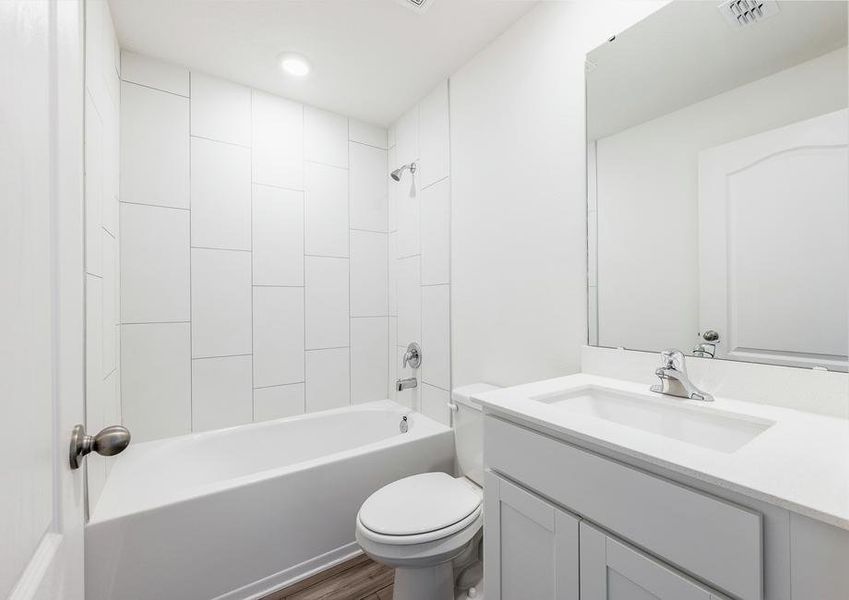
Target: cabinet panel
pixel 530 547
pixel 611 570
pixel 663 517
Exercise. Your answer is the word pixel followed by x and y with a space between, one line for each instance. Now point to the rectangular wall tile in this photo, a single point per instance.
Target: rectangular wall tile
pixel 278 402
pixel 110 295
pixel 433 135
pixel 436 232
pixel 369 359
pixel 407 205
pixel 222 395
pixel 369 187
pixel 325 137
pixel 393 192
pixel 221 110
pixel 221 302
pixel 366 133
pixel 154 147
pixel 154 264
pixel 278 141
pixel 327 308
pixel 326 210
pixel 392 286
pixel 221 195
pixel 278 324
pixel 392 357
pixel 94 359
pixel 154 73
pixel 435 404
pixel 407 137
pixel 409 301
pixel 155 380
pixel 369 274
pixel 435 336
pixel 328 379
pixel 278 236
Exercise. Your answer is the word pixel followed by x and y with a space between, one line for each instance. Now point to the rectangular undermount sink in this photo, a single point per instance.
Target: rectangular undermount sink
pixel 699 425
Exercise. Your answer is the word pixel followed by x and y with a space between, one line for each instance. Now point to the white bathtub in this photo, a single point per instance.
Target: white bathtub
pixel 236 513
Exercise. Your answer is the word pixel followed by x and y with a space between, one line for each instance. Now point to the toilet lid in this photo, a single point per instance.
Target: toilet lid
pixel 419 504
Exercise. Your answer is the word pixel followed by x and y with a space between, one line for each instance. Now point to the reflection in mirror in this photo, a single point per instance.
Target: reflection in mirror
pixel 718 186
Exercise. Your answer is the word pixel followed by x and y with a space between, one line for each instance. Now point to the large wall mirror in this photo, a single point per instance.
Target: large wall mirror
pixel 718 183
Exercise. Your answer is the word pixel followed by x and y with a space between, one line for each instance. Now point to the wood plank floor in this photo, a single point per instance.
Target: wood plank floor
pixel 357 579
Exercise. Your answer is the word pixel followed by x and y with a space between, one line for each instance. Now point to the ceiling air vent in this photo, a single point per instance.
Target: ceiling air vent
pixel 742 13
pixel 419 6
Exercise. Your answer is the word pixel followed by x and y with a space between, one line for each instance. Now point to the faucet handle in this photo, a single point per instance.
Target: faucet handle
pixel 673 359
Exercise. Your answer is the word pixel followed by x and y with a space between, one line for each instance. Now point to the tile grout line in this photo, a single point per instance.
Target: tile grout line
pixel 191 295
pixel 253 299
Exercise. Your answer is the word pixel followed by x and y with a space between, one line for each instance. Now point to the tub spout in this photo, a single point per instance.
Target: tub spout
pixel 405 384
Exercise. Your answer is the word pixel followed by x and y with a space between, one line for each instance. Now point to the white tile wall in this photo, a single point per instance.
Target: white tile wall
pixel 278 338
pixel 327 309
pixel 366 133
pixel 433 135
pixel 221 110
pixel 436 233
pixel 154 73
pixel 93 187
pixel 221 195
pixel 369 274
pixel 109 303
pixel 221 303
pixel 435 404
pixel 222 395
pixel 419 252
pixel 278 141
pixel 435 336
pixel 368 187
pixel 278 236
pixel 156 379
pixel 328 379
pixel 240 280
pixel 325 137
pixel 278 402
pixel 408 213
pixel 369 358
pixel 409 301
pixel 154 147
pixel 154 264
pixel 326 210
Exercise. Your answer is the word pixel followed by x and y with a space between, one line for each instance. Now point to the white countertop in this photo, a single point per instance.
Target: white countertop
pixel 800 463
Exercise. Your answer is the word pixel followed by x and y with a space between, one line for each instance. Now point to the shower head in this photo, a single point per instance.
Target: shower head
pixel 396 174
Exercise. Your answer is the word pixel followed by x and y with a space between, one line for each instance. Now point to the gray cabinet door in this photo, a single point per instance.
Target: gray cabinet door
pixel 610 570
pixel 530 546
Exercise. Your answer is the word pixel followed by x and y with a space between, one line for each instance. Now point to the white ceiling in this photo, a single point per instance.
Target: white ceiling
pixel 687 52
pixel 371 59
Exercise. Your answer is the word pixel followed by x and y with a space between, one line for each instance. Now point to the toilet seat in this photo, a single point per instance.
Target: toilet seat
pixel 419 509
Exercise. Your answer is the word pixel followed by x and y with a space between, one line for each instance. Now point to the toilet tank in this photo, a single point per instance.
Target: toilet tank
pixel 468 430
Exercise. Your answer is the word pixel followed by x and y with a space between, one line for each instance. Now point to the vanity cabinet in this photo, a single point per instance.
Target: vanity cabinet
pixel 530 546
pixel 563 521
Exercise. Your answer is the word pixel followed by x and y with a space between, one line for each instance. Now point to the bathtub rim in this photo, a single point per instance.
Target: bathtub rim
pixel 431 428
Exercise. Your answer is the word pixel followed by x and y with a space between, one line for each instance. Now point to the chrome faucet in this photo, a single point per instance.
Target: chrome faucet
pixel 405 384
pixel 674 380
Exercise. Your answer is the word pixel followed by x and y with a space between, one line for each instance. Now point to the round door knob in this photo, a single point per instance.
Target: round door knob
pixel 109 441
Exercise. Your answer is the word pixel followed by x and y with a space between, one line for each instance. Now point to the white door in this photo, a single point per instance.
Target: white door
pixel 41 298
pixel 530 546
pixel 774 244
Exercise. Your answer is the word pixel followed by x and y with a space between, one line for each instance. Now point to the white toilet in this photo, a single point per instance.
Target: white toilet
pixel 426 525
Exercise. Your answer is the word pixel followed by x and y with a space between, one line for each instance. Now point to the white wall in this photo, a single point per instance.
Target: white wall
pixel 253 255
pixel 648 199
pixel 519 194
pixel 420 280
pixel 102 107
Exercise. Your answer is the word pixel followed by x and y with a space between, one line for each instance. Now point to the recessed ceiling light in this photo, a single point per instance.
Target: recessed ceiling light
pixel 294 65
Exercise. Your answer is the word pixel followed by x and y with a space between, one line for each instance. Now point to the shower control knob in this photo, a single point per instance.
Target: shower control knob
pixel 109 441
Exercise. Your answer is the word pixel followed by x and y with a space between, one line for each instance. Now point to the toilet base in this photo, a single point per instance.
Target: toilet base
pixel 425 583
